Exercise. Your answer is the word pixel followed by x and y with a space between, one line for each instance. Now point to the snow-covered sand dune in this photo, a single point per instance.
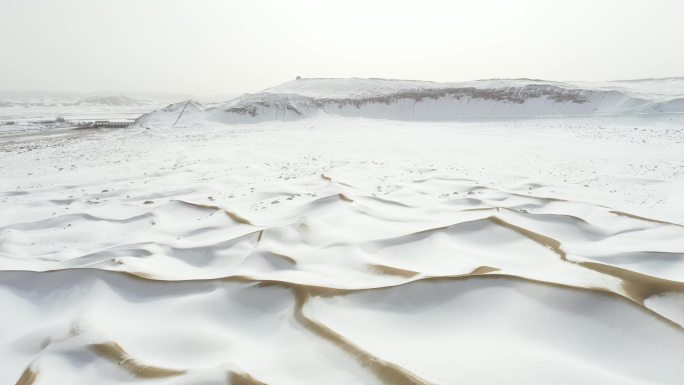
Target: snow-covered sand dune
pixel 421 100
pixel 335 250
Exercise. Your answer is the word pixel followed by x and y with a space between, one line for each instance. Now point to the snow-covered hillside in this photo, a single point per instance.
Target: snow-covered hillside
pixel 431 101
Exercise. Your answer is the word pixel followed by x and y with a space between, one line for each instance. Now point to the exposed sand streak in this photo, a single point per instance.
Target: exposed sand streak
pixel 115 353
pixel 243 379
pixel 541 239
pixel 387 372
pixel 237 218
pixel 28 377
pixel 638 286
pixel 382 269
pixel 628 215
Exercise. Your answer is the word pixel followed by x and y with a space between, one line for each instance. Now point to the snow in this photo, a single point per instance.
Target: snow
pixel 326 246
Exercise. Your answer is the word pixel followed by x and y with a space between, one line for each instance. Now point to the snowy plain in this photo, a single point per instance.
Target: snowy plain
pixel 350 242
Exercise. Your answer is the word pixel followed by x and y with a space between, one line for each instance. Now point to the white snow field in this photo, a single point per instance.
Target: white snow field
pixel 351 231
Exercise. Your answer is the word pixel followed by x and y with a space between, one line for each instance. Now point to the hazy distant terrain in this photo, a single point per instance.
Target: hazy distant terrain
pixel 350 231
pixel 35 111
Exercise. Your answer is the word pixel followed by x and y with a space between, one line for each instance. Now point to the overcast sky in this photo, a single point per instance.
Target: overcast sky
pixel 230 47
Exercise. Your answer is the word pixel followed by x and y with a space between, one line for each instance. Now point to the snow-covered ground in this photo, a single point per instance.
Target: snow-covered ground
pixel 339 248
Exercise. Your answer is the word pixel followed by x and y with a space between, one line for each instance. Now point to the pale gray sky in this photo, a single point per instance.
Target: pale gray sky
pixel 229 47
